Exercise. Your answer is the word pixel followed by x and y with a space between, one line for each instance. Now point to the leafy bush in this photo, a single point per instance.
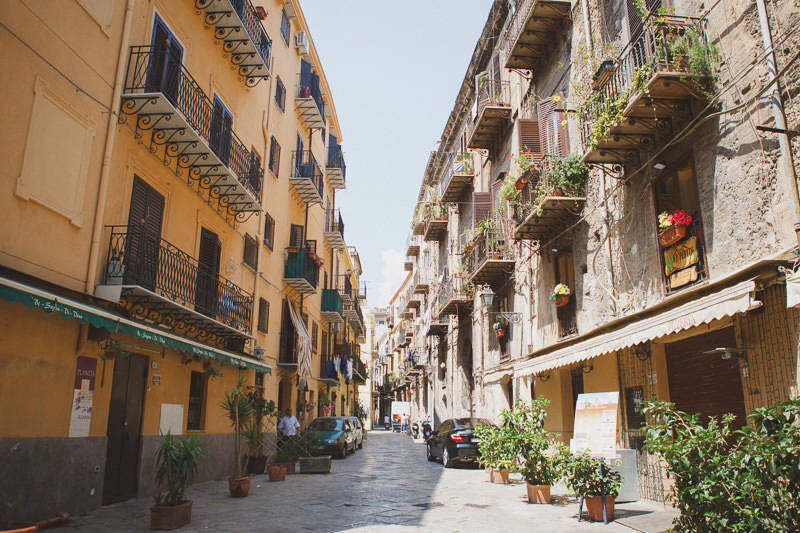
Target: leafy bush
pixel 177 462
pixel 569 173
pixel 731 480
pixel 586 476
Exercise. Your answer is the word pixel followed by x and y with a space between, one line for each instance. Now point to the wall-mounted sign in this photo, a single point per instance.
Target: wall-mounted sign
pixel 680 256
pixel 679 279
pixel 156 379
pixel 82 397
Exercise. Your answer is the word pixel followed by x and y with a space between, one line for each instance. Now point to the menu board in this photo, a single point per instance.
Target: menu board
pixel 595 426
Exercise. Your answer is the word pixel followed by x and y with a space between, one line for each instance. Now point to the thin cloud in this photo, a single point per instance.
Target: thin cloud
pixel 392 275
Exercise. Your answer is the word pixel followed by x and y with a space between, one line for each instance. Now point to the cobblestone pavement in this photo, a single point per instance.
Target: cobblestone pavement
pixel 386 486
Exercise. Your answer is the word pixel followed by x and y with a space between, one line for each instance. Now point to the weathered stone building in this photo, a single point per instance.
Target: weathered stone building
pixel 671 111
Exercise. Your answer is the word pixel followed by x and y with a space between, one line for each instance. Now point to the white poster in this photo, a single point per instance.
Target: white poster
pixel 171 418
pixel 80 418
pixel 595 426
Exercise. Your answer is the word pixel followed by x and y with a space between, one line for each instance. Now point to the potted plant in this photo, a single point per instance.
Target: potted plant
pixel 500 326
pixel 239 410
pixel 543 456
pixel 672 227
pixel 560 295
pixel 568 174
pixel 509 190
pixel 177 462
pixel 495 453
pixel 592 478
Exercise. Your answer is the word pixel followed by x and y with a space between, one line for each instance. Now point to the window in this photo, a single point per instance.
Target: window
pixel 269 231
pixel 263 315
pixel 280 94
pixel 564 270
pixel 285 29
pixel 197 389
pixel 295 236
pixel 221 130
pixel 250 252
pixel 314 337
pixel 274 156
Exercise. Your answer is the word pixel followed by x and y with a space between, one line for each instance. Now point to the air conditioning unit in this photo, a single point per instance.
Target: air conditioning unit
pixel 301 42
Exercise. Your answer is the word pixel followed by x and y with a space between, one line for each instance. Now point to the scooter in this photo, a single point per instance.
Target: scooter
pixel 415 430
pixel 426 430
pixel 387 425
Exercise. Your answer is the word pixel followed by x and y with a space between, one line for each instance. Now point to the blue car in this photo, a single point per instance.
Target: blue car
pixel 332 435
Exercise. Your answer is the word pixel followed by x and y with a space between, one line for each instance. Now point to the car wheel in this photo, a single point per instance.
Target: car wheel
pixel 360 444
pixel 343 451
pixel 447 461
pixel 430 453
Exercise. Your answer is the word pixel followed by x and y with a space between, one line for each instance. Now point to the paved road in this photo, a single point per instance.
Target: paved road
pixel 387 486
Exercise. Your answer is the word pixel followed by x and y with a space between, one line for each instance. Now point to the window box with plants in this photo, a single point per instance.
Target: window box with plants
pixel 177 462
pixel 560 295
pixel 672 227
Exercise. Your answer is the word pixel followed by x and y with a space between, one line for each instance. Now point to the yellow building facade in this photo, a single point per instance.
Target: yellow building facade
pixel 171 194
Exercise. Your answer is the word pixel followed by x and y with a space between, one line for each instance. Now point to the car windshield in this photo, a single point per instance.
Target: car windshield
pixel 471 423
pixel 327 424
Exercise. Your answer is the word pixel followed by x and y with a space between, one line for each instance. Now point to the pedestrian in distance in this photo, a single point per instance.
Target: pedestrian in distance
pixel 287 427
pixel 404 423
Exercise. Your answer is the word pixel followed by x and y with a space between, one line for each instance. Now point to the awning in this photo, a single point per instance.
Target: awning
pixel 303 344
pixel 726 302
pixel 793 289
pixel 34 298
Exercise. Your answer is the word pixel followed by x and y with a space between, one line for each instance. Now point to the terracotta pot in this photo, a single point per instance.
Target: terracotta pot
pixel 594 506
pixel 292 249
pixel 163 517
pixel 520 183
pixel 561 300
pixel 671 235
pixel 276 472
pixel 558 191
pixel 289 466
pixel 499 332
pixel 499 476
pixel 239 488
pixel 538 493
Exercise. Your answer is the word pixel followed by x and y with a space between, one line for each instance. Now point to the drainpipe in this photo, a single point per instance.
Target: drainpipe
pixel 111 134
pixel 785 163
pixel 586 28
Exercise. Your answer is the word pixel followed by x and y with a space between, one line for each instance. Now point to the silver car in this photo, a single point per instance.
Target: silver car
pixel 358 430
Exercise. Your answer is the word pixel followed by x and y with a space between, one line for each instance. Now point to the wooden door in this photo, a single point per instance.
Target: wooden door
pixel 124 428
pixel 164 75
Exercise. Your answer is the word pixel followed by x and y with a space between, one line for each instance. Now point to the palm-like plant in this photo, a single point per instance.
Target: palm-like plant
pixel 239 410
pixel 177 462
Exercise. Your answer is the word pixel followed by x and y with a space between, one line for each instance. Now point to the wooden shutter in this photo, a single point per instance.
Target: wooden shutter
pixel 529 138
pixel 481 206
pixel 143 240
pixel 549 128
pixel 263 315
pixel 296 236
pixel 324 346
pixel 208 258
pixel 147 207
pixel 498 202
pixel 634 20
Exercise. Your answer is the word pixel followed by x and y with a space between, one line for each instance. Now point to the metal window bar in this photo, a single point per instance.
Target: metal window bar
pixel 305 165
pixel 139 257
pixel 153 70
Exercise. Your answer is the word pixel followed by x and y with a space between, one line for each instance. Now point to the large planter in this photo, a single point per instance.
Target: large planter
pixel 276 472
pixel 256 464
pixel 165 517
pixel 289 466
pixel 315 465
pixel 239 487
pixel 500 476
pixel 594 506
pixel 671 235
pixel 561 300
pixel 538 493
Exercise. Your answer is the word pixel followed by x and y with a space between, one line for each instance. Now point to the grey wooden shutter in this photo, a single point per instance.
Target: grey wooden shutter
pixel 529 137
pixel 481 206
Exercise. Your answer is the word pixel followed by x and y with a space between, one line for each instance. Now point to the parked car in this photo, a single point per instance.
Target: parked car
pixel 453 441
pixel 358 429
pixel 332 435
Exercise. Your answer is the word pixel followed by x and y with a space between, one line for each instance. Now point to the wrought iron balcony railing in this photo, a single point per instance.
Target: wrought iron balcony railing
pixel 362 293
pixel 307 176
pixel 335 167
pixel 493 113
pixel 529 34
pixel 453 292
pixel 152 71
pixel 456 176
pixel 301 272
pixel 309 99
pixel 137 257
pixel 345 288
pixel 491 257
pixel 334 229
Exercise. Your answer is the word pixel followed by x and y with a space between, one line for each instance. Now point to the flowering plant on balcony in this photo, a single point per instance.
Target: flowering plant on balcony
pixel 500 323
pixel 678 218
pixel 560 290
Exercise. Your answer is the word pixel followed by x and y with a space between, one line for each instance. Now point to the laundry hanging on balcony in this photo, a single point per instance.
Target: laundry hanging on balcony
pixel 303 344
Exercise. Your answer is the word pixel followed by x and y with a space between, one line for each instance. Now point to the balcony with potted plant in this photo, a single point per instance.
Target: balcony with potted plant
pixel 456 293
pixel 335 168
pixel 436 218
pixel 492 258
pixel 306 177
pixel 551 198
pixel 637 100
pixel 308 100
pixel 532 30
pixel 457 176
pixel 493 114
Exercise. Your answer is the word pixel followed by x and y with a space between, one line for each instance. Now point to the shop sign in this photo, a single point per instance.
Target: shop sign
pixel 679 279
pixel 82 397
pixel 595 427
pixel 681 256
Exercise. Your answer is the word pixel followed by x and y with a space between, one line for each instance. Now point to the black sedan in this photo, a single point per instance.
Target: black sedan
pixel 453 441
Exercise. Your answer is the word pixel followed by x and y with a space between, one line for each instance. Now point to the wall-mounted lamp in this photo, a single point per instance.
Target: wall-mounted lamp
pixel 487 297
pixel 544 376
pixel 586 368
pixel 642 351
pixel 258 351
pixel 729 353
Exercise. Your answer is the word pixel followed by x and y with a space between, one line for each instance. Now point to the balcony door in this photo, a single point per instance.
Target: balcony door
pixel 221 127
pixel 143 240
pixel 165 63
pixel 208 273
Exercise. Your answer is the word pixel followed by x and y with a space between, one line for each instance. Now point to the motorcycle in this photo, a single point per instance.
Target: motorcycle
pixel 415 430
pixel 426 430
pixel 387 425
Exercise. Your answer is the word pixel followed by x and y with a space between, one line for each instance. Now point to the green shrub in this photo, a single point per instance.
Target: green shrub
pixel 177 462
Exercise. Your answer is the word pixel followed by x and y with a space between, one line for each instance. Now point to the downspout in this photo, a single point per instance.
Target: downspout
pixel 608 242
pixel 111 134
pixel 586 27
pixel 785 163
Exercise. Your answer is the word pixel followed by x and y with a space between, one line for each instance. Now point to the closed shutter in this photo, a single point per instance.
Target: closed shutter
pixel 549 128
pixel 324 347
pixel 296 236
pixel 529 138
pixel 498 202
pixel 141 254
pixel 208 272
pixel 481 206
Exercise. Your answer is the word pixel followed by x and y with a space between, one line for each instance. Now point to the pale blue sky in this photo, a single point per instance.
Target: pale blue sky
pixel 394 69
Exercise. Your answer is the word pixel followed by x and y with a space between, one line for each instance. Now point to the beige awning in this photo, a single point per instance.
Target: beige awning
pixel 793 289
pixel 726 302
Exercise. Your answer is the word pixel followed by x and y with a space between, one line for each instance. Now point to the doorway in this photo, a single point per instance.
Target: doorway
pixel 124 428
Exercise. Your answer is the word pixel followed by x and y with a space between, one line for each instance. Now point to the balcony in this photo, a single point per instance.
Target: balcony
pixel 491 259
pixel 359 370
pixel 308 101
pixel 531 31
pixel 455 293
pixel 335 168
pixel 237 25
pixel 362 293
pixel 436 216
pixel 351 311
pixel 334 229
pixel 640 98
pixel 493 114
pixel 345 288
pixel 162 283
pixel 176 121
pixel 327 371
pixel 538 217
pixel 408 264
pixel 306 177
pixel 412 246
pixel 332 306
pixel 438 327
pixel 301 272
pixel 420 282
pixel 456 179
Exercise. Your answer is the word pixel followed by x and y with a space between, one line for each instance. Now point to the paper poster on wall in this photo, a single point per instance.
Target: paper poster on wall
pixel 82 397
pixel 596 424
pixel 171 418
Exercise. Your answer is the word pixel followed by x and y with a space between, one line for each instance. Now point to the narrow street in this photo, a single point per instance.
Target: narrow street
pixel 386 486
